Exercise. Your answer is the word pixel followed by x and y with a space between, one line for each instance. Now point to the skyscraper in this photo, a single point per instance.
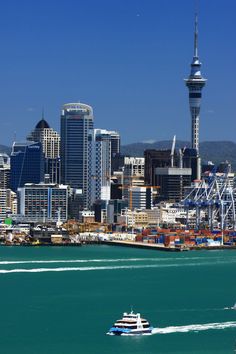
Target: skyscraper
pixel 76 121
pixel 50 140
pixel 27 164
pixel 115 143
pixel 195 84
pixel 100 145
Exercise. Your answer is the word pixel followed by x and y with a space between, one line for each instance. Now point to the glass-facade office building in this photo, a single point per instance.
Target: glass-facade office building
pixel 27 164
pixel 76 121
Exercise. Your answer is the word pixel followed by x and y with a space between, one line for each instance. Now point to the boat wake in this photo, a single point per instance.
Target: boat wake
pixel 78 261
pixel 194 328
pixel 108 260
pixel 92 268
pixel 74 269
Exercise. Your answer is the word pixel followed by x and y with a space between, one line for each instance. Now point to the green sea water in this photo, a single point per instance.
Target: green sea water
pixel 61 300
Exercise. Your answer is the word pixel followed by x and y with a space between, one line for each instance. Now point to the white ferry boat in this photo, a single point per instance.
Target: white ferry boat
pixel 130 324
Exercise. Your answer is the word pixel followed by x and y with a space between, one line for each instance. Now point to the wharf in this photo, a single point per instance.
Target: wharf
pixel 161 247
pixel 23 244
pixel 150 246
pixel 212 248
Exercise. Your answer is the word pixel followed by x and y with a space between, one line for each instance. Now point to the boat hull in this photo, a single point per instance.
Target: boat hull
pixel 131 332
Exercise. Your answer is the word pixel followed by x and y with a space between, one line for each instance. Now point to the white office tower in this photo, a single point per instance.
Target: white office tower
pixel 99 170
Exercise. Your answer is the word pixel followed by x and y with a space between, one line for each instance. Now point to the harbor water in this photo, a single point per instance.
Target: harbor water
pixel 62 300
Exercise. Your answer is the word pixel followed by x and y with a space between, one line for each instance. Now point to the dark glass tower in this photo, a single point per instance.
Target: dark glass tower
pixel 27 164
pixel 76 121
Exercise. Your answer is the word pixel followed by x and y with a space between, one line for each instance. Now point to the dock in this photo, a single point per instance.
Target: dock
pixel 162 247
pixel 148 246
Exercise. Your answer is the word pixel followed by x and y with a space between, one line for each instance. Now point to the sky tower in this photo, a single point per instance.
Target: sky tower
pixel 195 83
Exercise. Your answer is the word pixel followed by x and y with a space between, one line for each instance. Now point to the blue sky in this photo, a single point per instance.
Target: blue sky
pixel 126 58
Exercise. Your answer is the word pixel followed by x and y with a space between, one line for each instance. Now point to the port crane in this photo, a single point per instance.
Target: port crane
pixel 217 197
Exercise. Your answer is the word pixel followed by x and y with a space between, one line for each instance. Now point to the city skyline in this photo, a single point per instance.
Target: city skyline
pixel 127 61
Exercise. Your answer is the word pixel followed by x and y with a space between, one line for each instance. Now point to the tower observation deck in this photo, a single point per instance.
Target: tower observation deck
pixel 195 83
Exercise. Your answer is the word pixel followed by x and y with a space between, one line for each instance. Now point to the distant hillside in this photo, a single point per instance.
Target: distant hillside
pixel 215 151
pixel 5 149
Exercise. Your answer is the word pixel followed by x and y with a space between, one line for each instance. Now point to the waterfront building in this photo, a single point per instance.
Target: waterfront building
pixel 27 164
pixel 195 84
pixel 4 171
pixel 170 215
pixel 76 122
pixel 8 203
pixel 43 202
pixel 87 216
pixel 50 141
pixel 133 218
pixel 153 216
pixel 99 168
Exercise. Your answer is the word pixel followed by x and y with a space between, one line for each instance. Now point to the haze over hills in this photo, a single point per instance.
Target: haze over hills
pixel 215 151
pixel 6 149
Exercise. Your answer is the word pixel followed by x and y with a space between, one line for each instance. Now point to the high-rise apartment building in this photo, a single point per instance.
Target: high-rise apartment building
pixel 76 122
pixel 27 164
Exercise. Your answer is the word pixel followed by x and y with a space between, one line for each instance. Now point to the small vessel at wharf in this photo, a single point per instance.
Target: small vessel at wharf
pixel 130 324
